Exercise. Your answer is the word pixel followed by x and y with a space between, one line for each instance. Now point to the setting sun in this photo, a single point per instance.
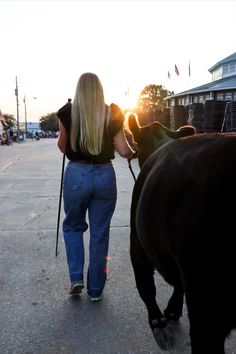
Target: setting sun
pixel 128 100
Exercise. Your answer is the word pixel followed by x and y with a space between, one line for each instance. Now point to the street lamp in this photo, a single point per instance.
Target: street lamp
pixel 24 100
pixel 17 108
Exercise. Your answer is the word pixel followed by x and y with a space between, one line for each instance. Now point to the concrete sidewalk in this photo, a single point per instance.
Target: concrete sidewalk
pixel 37 314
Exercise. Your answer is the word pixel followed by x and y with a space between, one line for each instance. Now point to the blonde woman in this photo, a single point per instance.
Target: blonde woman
pixel 90 131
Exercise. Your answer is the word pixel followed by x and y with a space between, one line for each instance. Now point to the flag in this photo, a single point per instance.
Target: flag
pixel 168 75
pixel 189 71
pixel 16 89
pixel 176 70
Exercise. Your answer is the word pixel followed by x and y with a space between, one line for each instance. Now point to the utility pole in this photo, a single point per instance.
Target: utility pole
pixel 17 109
pixel 24 100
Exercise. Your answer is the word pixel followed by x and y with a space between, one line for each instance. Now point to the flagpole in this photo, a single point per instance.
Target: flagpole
pixel 189 74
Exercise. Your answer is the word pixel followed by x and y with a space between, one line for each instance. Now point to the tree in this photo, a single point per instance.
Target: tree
pixel 151 98
pixel 10 120
pixel 49 122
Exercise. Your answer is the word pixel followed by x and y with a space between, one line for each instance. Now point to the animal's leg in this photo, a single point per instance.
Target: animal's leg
pixel 206 335
pixel 144 277
pixel 208 325
pixel 174 308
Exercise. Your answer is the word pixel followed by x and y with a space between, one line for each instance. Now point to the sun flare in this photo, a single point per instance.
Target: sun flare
pixel 128 101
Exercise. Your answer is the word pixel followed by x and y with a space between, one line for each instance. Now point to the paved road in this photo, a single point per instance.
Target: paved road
pixel 37 314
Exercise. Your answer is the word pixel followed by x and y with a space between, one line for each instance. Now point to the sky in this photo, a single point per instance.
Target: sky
pixel 47 45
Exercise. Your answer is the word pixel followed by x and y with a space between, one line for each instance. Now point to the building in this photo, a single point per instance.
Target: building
pixel 209 107
pixel 221 88
pixel 33 127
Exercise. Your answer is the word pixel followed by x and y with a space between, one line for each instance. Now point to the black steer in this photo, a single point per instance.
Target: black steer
pixel 182 222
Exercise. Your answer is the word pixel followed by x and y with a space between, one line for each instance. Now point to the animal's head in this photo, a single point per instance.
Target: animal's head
pixel 152 136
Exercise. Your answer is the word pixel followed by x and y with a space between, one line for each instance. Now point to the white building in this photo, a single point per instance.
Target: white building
pixel 33 127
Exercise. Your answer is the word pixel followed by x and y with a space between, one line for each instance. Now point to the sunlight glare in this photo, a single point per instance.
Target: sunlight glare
pixel 128 101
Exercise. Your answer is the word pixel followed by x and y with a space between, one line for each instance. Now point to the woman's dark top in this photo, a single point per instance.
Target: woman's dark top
pixel 107 153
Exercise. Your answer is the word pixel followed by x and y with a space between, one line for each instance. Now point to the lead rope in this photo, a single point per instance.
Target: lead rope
pixel 131 170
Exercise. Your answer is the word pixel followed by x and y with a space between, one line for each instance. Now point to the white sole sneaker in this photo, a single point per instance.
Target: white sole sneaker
pixel 76 289
pixel 95 299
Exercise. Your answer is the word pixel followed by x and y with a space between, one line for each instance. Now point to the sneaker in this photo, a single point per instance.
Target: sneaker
pixel 76 288
pixel 95 299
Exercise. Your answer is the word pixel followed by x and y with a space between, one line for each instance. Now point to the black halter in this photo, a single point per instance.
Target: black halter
pixel 131 170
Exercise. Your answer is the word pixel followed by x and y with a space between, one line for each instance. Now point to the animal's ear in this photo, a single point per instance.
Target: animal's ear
pixel 186 130
pixel 134 126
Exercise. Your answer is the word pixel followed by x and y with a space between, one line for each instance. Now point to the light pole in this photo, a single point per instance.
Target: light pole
pixel 24 100
pixel 17 109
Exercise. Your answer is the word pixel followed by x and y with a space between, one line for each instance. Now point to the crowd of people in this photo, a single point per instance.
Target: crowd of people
pixel 7 137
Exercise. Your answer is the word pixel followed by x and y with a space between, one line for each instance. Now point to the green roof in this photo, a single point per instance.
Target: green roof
pixel 227 83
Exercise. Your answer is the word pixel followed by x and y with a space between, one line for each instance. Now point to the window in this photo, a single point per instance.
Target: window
pixel 195 99
pixel 225 69
pixel 217 74
pixel 228 96
pixel 219 97
pixel 232 68
pixel 189 99
pixel 200 99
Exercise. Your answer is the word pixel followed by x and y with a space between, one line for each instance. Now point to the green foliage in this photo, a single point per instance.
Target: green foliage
pixel 151 98
pixel 10 120
pixel 49 122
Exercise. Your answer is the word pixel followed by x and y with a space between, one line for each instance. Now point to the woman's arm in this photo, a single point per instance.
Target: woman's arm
pixel 122 146
pixel 62 139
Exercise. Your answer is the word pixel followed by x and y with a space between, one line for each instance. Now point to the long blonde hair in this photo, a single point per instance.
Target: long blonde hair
pixel 88 115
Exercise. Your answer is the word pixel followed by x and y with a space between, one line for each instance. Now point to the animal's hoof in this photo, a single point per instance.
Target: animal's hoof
pixel 171 316
pixel 164 337
pixel 161 323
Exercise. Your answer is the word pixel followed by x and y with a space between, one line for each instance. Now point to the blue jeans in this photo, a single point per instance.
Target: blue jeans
pixel 91 188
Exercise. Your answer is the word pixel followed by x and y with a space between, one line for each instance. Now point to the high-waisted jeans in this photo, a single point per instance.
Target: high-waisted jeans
pixel 92 188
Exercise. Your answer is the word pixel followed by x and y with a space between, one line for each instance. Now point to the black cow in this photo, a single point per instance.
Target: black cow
pixel 182 224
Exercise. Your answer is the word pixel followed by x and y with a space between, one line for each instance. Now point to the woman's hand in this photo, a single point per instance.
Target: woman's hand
pixel 62 139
